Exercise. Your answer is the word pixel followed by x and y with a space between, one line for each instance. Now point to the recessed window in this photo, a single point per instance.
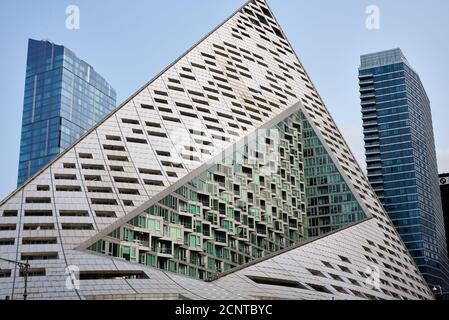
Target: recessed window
pixel 171 119
pixel 163 101
pixel 153 124
pixel 113 148
pixel 172 174
pixel 128 203
pixel 277 282
pixel 319 288
pixel 163 153
pixel 130 121
pixel 77 226
pixel 85 156
pixel 110 202
pixel 336 277
pixel 92 167
pixel 33 272
pixel 113 138
pixel 92 178
pixel 129 191
pixel 316 273
pixel 117 158
pixel 43 188
pixel 96 275
pixel 190 157
pixel 150 171
pixel 165 110
pixel 10 213
pixel 38 226
pixel 183 105
pixel 37 200
pixel 188 114
pixel 161 93
pixel 344 269
pixel 7 227
pixel 171 164
pixel 116 168
pixel 5 273
pixel 60 176
pixel 154 183
pixel 31 241
pixel 7 241
pixel 99 189
pixel 39 256
pixel 105 214
pixel 340 289
pixel 38 213
pixel 174 80
pixel 125 180
pixel 136 140
pixel 68 188
pixel 147 106
pixel 73 213
pixel 157 134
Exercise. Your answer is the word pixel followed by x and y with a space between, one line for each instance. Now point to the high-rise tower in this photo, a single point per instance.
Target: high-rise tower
pixel 401 158
pixel 64 97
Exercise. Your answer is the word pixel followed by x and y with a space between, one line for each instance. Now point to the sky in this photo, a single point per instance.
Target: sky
pixel 129 42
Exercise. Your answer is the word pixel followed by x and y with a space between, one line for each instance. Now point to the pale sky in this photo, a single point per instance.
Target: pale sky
pixel 129 42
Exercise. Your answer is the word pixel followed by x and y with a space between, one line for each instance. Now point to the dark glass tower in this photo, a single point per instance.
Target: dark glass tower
pixel 401 158
pixel 64 97
pixel 444 188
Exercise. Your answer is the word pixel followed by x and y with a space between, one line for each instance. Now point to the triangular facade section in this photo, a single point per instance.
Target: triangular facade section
pixel 247 203
pixel 237 79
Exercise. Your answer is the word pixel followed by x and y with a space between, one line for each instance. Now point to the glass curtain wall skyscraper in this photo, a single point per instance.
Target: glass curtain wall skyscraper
pixel 444 188
pixel 63 98
pixel 401 158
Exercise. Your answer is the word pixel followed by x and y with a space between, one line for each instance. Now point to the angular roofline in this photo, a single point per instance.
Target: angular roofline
pixel 314 87
pixel 142 88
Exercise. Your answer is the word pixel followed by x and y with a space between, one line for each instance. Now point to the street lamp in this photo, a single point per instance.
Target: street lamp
pixel 24 267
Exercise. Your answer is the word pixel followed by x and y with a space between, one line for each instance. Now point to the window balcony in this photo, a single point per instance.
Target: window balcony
pixel 371 130
pixel 368 116
pixel 366 103
pixel 371 152
pixel 370 123
pixel 367 82
pixel 165 250
pixel 373 159
pixel 368 109
pixel 364 77
pixel 367 89
pixel 366 96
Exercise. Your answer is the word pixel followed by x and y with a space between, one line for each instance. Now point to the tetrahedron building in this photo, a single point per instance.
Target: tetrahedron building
pixel 224 177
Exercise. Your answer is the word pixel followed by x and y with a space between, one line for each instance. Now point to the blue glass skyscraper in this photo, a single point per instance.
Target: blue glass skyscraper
pixel 401 158
pixel 64 97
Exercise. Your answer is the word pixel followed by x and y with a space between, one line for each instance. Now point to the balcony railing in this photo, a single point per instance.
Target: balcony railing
pixel 165 250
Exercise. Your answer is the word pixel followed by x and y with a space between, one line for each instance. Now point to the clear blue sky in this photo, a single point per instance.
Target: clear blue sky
pixel 129 42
